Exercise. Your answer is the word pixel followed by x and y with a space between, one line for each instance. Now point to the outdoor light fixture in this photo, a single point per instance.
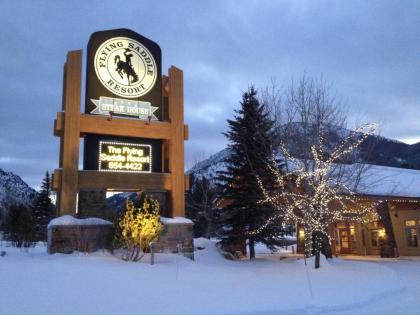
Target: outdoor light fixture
pixel 301 233
pixel 381 233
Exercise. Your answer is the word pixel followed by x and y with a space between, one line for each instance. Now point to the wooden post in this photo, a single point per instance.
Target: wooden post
pixel 176 143
pixel 70 125
pixel 69 142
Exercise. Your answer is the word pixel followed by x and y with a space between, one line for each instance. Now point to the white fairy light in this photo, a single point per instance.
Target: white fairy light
pixel 313 197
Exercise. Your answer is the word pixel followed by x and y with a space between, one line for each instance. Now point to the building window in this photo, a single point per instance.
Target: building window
pixel 411 233
pixel 374 235
pixel 410 223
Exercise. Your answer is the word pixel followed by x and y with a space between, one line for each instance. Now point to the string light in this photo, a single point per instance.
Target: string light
pixel 313 194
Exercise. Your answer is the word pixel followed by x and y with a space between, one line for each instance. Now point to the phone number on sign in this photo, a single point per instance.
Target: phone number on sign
pixel 125 166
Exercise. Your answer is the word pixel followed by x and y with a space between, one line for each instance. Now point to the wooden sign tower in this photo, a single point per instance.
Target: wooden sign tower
pixel 71 125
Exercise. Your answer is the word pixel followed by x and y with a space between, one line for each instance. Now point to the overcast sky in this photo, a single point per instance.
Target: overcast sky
pixel 368 50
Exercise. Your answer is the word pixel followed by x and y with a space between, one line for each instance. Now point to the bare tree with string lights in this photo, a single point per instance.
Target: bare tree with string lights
pixel 318 185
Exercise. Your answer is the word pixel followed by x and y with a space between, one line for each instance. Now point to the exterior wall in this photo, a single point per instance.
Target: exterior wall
pixel 400 213
pixel 371 244
pixel 83 238
pixel 374 238
pixel 371 239
pixel 177 238
pixel 359 238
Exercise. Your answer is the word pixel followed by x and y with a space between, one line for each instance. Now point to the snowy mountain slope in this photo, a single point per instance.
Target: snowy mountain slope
pixel 14 190
pixel 386 171
pixel 211 165
pixel 375 149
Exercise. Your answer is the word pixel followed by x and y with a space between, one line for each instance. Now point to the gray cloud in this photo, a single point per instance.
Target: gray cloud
pixel 367 50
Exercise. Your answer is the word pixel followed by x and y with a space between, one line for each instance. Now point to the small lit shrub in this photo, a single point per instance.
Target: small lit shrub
pixel 138 227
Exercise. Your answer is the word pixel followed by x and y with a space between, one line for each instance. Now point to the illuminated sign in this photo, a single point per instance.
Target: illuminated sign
pixel 125 157
pixel 142 110
pixel 125 67
pixel 123 75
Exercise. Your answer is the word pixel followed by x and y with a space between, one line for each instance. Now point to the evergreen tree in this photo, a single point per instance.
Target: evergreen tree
pixel 241 215
pixel 43 209
pixel 19 227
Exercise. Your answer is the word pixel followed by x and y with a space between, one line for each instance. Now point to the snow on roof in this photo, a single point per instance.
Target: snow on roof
pixel 376 180
pixel 175 220
pixel 390 181
pixel 70 220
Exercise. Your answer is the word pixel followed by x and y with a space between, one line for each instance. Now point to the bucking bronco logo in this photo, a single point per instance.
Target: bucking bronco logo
pixel 125 67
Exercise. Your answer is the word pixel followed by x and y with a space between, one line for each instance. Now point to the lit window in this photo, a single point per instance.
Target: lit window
pixel 411 237
pixel 410 223
pixel 374 234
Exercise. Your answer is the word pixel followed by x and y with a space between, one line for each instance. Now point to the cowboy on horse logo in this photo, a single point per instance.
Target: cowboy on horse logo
pixel 125 67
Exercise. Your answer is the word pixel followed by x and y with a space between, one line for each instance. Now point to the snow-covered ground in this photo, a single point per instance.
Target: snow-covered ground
pixel 37 283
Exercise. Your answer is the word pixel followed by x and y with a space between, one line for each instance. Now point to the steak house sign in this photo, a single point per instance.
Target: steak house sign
pixel 123 78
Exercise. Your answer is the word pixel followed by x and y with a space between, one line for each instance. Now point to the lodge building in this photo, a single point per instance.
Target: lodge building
pixel 396 194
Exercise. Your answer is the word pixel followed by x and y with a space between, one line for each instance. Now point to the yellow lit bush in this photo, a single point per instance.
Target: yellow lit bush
pixel 139 226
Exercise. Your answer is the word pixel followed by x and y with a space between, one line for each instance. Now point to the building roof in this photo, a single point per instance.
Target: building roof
pixel 376 180
pixel 390 181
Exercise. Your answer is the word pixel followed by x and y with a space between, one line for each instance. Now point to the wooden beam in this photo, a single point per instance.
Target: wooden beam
pixel 176 143
pixel 118 127
pixel 56 180
pixel 92 180
pixel 69 147
pixel 187 182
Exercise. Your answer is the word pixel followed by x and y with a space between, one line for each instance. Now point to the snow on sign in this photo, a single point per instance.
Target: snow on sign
pixel 125 157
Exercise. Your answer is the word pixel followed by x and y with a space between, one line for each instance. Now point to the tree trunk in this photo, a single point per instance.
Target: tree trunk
pixel 317 246
pixel 308 242
pixel 251 245
pixel 326 247
pixel 317 256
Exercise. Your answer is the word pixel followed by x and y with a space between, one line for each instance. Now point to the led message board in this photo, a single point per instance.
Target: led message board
pixel 125 157
pixel 110 146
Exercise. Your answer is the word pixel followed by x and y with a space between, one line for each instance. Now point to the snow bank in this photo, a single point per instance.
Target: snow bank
pixel 70 220
pixel 201 242
pixel 208 285
pixel 175 220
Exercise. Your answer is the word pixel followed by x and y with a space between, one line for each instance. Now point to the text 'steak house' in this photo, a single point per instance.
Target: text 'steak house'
pixel 132 126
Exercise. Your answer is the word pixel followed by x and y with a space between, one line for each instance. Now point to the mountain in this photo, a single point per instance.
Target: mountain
pixel 387 152
pixel 13 190
pixel 209 167
pixel 117 201
pixel 375 150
